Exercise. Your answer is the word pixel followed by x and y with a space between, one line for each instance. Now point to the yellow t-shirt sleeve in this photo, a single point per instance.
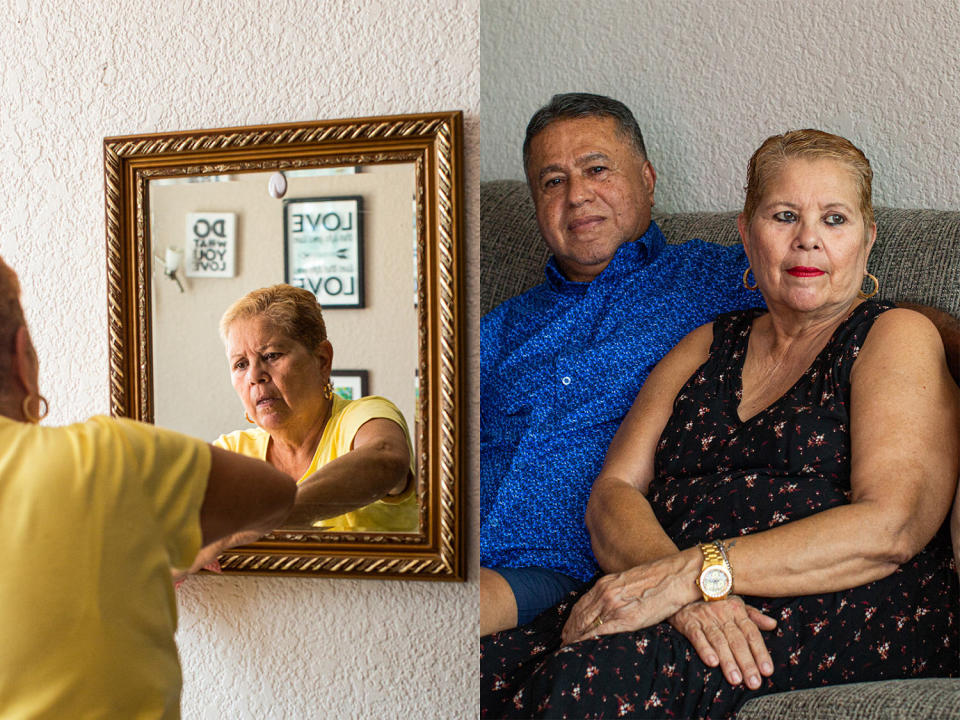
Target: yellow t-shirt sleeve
pixel 172 470
pixel 375 407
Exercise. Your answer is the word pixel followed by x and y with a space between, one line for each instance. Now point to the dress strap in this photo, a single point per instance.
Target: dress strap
pixel 730 333
pixel 842 350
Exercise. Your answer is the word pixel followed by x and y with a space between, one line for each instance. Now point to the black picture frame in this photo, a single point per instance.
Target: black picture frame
pixel 355 380
pixel 323 248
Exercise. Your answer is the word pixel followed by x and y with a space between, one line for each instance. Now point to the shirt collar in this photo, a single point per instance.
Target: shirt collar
pixel 630 256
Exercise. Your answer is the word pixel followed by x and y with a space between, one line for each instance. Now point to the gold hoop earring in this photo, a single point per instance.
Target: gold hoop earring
pixel 25 406
pixel 248 419
pixel 876 288
pixel 328 390
pixel 745 282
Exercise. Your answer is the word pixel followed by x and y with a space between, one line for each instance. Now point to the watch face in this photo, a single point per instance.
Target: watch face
pixel 715 581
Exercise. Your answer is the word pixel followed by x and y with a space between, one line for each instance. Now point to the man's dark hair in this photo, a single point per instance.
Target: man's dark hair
pixel 565 106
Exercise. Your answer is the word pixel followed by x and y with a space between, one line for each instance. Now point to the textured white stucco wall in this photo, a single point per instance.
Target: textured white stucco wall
pixel 708 81
pixel 72 73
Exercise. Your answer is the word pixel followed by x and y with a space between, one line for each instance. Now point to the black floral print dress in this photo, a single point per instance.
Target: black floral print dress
pixel 717 476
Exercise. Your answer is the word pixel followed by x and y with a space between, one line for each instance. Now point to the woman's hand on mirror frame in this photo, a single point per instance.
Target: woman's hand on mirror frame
pixel 244 499
pixel 207 557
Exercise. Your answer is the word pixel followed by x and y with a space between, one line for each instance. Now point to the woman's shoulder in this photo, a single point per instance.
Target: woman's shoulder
pixel 900 336
pixel 104 426
pixel 349 415
pixel 685 357
pixel 353 413
pixel 251 442
pixel 123 440
pixel 892 324
pixel 366 404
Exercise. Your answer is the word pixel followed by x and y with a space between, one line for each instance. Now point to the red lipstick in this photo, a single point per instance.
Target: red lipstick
pixel 801 271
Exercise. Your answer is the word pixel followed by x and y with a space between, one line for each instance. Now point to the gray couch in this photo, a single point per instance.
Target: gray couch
pixel 916 258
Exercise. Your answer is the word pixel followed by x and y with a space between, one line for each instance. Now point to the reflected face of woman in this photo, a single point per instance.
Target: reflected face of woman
pixel 278 380
pixel 807 242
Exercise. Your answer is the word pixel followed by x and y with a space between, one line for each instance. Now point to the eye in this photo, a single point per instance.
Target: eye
pixel 834 219
pixel 240 365
pixel 551 183
pixel 597 169
pixel 271 356
pixel 785 216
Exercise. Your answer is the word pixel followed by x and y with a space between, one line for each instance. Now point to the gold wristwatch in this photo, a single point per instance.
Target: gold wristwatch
pixel 716 575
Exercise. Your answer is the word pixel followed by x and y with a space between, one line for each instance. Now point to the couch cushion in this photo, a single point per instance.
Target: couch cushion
pixel 916 257
pixel 512 253
pixel 927 698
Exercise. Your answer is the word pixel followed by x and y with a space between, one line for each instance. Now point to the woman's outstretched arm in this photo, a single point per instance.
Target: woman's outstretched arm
pixel 378 465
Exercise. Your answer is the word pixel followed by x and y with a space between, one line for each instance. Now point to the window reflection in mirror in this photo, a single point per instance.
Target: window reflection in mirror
pixel 192 388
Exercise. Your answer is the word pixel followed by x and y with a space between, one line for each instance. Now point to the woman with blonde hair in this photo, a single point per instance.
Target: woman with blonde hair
pixel 352 457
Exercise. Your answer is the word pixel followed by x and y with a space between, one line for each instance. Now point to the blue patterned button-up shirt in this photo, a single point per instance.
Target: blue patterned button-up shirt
pixel 560 366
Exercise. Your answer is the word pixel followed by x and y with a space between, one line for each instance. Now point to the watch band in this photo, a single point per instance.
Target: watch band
pixel 713 554
pixel 726 558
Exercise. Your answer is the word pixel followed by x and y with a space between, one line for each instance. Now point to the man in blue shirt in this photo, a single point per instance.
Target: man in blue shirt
pixel 562 363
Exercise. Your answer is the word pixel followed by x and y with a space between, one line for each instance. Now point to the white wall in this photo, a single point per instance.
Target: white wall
pixel 73 73
pixel 708 81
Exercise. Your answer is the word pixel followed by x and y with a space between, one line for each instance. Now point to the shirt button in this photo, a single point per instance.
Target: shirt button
pixel 565 380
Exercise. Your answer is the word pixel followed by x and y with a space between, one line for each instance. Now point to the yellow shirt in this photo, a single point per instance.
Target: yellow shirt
pixel 394 513
pixel 92 517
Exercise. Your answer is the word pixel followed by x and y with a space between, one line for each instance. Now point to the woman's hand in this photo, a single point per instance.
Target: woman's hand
pixel 180 576
pixel 727 633
pixel 636 598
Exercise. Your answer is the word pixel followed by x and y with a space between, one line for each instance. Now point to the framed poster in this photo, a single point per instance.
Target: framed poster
pixel 211 243
pixel 323 248
pixel 349 384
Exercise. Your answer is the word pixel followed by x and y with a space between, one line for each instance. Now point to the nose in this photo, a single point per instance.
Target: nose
pixel 579 190
pixel 807 236
pixel 256 373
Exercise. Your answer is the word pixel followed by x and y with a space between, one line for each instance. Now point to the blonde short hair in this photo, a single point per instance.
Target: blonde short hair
pixel 11 319
pixel 293 310
pixel 808 144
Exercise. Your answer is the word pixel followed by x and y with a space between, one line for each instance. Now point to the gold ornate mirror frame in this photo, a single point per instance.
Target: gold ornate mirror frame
pixel 432 142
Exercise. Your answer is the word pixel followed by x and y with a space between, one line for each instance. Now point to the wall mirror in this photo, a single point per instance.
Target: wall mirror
pixel 197 219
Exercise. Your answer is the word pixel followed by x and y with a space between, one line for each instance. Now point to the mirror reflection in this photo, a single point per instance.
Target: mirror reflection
pixel 347 236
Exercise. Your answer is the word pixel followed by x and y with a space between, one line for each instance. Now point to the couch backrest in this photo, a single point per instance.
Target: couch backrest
pixel 916 257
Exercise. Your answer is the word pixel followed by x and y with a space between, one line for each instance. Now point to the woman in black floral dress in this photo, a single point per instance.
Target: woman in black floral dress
pixel 816 442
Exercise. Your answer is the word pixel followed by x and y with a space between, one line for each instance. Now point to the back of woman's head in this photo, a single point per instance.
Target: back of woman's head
pixel 293 310
pixel 807 144
pixel 11 318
